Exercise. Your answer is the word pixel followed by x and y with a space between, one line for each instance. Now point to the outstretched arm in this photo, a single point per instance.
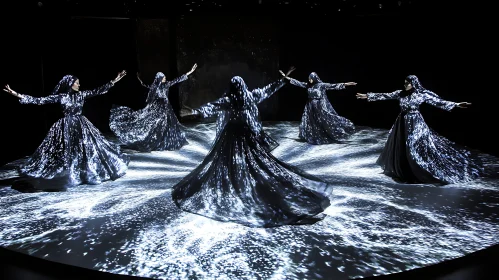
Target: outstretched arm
pixel 183 77
pixel 291 80
pixel 297 83
pixel 212 108
pixel 260 94
pixel 103 89
pixel 327 86
pixel 371 96
pixel 177 80
pixel 436 101
pixel 98 91
pixel 27 99
pixel 141 82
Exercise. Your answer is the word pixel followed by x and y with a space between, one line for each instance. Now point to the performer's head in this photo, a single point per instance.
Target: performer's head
pixel 407 84
pixel 76 85
pixel 159 79
pixel 313 79
pixel 238 92
pixel 238 85
pixel 67 84
pixel 412 83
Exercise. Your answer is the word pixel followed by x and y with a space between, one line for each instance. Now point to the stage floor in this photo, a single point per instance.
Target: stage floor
pixel 374 226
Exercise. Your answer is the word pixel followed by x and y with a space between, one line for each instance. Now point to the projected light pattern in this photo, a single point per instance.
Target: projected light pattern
pixel 374 225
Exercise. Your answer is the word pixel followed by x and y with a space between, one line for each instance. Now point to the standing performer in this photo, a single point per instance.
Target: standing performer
pixel 240 180
pixel 74 150
pixel 266 140
pixel 414 153
pixel 155 127
pixel 320 124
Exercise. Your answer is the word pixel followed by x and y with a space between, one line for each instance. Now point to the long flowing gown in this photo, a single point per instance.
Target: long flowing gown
pixel 241 181
pixel 320 124
pixel 266 140
pixel 74 151
pixel 153 128
pixel 414 153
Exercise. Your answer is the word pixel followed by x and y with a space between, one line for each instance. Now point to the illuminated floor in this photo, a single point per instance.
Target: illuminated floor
pixel 374 226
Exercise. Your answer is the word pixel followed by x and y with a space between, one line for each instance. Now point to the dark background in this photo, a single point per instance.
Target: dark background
pixel 375 46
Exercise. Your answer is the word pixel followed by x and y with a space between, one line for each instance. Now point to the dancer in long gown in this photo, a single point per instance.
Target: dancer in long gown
pixel 74 151
pixel 240 180
pixel 155 127
pixel 320 124
pixel 414 153
pixel 266 140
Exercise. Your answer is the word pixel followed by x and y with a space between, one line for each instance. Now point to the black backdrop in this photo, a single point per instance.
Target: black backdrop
pixel 223 47
pixel 375 50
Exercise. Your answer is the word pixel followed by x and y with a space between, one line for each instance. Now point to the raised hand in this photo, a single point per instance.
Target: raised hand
pixel 283 75
pixel 361 96
pixel 10 91
pixel 291 69
pixel 350 84
pixel 463 104
pixel 193 68
pixel 120 76
pixel 187 107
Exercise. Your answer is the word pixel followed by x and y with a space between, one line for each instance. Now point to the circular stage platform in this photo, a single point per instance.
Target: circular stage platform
pixel 374 226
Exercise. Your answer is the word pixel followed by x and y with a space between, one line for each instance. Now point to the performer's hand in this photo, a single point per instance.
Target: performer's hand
pixel 284 75
pixel 10 91
pixel 361 96
pixel 291 69
pixel 187 111
pixel 119 77
pixel 463 104
pixel 193 68
pixel 350 84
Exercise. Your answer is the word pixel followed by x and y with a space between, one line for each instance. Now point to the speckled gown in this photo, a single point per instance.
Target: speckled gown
pixel 414 153
pixel 74 151
pixel 240 180
pixel 153 128
pixel 320 123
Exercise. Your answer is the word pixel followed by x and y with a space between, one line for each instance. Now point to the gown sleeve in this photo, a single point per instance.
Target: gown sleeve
pixel 371 96
pixel 327 86
pixel 27 99
pixel 297 83
pixel 260 94
pixel 212 108
pixel 98 91
pixel 438 102
pixel 177 80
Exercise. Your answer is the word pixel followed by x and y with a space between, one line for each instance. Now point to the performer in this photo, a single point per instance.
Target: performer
pixel 320 124
pixel 240 180
pixel 266 140
pixel 414 153
pixel 74 151
pixel 155 127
